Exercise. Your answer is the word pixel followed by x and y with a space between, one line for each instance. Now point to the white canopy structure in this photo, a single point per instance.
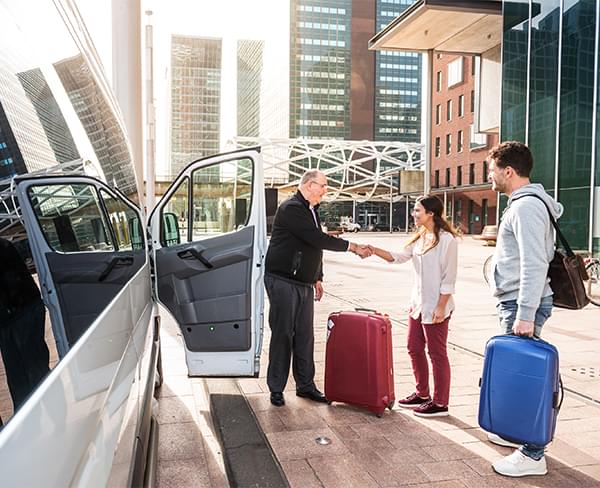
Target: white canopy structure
pixel 356 170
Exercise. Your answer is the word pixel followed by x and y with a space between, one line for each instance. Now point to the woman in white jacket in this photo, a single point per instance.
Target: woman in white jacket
pixel 433 250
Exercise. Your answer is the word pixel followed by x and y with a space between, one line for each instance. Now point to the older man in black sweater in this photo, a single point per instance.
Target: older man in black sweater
pixel 293 279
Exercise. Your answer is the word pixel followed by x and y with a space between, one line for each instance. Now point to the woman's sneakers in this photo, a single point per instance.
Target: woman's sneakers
pixel 413 401
pixel 423 407
pixel 430 409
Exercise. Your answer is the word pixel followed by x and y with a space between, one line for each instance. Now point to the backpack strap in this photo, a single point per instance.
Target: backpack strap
pixel 560 235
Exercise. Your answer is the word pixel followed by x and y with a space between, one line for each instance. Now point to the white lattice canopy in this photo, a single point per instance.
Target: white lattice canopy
pixel 356 170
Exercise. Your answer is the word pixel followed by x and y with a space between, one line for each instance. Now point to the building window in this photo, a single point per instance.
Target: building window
pixel 460 141
pixel 449 110
pixel 436 182
pixel 448 143
pixel 461 105
pixel 455 72
pixel 439 81
pixel 472 174
pixel 458 175
pixel 437 147
pixel 472 101
pixel 484 211
pixel 457 212
pixel 485 171
pixel 447 176
pixel 478 140
pixel 438 114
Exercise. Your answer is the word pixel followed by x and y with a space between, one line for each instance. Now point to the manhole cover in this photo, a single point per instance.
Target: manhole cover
pixel 324 441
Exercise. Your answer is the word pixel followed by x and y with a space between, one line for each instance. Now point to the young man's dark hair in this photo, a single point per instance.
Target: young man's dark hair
pixel 514 154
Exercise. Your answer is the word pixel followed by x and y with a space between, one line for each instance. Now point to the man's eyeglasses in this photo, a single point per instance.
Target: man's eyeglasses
pixel 322 185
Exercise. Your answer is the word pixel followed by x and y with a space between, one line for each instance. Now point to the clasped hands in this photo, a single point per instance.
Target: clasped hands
pixel 362 250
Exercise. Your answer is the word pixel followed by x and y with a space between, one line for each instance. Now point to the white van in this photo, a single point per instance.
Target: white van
pixel 102 272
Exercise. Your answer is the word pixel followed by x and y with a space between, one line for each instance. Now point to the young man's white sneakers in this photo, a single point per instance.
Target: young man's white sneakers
pixel 500 441
pixel 518 464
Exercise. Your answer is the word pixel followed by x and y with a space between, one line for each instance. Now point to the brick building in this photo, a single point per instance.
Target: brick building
pixel 458 154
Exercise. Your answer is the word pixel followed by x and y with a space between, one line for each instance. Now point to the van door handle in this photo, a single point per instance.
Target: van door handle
pixel 195 254
pixel 118 260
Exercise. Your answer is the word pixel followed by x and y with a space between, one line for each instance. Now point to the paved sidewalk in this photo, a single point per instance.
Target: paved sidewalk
pixel 398 449
pixel 401 449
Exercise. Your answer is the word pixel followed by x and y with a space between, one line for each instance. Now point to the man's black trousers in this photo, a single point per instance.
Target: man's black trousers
pixel 24 351
pixel 292 337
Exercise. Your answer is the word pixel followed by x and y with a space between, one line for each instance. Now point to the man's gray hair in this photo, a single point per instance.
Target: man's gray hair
pixel 309 176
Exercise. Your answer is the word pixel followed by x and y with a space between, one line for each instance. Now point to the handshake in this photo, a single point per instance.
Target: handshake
pixel 362 250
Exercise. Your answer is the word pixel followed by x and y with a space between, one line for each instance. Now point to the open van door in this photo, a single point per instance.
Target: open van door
pixel 209 242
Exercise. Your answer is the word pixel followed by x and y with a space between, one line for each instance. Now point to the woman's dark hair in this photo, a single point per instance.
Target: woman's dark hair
pixel 434 205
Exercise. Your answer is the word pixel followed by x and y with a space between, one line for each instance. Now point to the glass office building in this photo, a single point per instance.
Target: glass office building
pixel 195 99
pixel 550 101
pixel 320 68
pixel 397 84
pixel 249 69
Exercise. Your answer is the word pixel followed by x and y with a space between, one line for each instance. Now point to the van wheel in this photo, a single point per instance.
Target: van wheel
pixel 355 230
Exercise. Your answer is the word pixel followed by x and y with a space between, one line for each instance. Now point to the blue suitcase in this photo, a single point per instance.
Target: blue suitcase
pixel 519 398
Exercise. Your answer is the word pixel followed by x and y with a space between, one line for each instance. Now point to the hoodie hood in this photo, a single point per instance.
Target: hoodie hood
pixel 555 207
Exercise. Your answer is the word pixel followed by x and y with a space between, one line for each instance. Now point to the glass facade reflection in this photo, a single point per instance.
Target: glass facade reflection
pixel 514 69
pixel 104 132
pixel 54 107
pixel 550 81
pixel 543 85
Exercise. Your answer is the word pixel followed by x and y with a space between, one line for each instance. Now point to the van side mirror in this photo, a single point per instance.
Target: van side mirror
pixel 171 229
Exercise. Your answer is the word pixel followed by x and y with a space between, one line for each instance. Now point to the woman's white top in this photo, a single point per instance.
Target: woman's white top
pixel 435 274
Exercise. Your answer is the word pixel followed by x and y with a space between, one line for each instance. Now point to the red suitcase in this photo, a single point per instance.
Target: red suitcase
pixel 359 368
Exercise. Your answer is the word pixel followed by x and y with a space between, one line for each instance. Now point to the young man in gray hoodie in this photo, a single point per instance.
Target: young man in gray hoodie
pixel 524 249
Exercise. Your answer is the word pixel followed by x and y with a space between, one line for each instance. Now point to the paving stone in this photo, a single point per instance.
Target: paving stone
pixel 377 444
pixel 300 474
pixel 445 470
pixel 183 473
pixel 411 455
pixel 341 471
pixel 180 441
pixel 570 455
pixel 401 475
pixel 175 386
pixel 176 410
pixel 303 418
pixel 480 466
pixel 449 452
pixel 301 444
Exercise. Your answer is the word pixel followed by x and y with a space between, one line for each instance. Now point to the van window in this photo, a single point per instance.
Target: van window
pixel 125 224
pixel 70 217
pixel 221 198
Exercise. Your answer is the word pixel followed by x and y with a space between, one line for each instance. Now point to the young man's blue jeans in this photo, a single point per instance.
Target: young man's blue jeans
pixel 507 313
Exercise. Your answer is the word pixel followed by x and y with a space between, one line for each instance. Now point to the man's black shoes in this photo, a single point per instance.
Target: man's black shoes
pixel 277 399
pixel 314 395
